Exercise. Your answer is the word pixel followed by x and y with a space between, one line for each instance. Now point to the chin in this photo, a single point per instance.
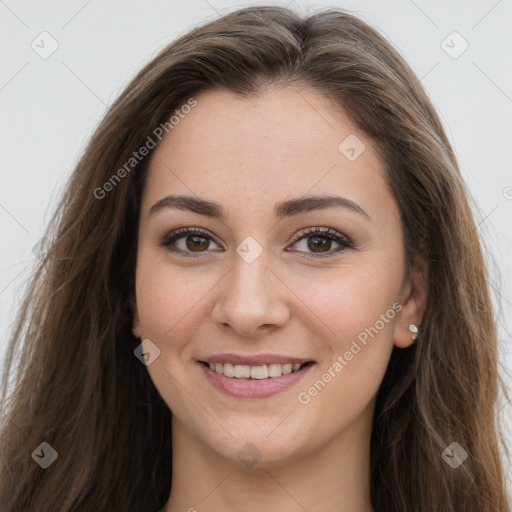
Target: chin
pixel 260 447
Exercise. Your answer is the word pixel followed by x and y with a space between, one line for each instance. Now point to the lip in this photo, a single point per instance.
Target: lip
pixel 255 360
pixel 255 388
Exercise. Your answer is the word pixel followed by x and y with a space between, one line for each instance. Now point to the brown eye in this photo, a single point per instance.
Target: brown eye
pixel 318 243
pixel 187 241
pixel 196 243
pixel 317 240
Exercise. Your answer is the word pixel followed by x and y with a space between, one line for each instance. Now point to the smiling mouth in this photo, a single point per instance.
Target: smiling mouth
pixel 259 372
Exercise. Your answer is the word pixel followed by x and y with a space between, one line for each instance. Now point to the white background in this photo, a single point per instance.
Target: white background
pixel 49 107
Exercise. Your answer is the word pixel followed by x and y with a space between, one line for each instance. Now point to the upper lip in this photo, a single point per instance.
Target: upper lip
pixel 256 360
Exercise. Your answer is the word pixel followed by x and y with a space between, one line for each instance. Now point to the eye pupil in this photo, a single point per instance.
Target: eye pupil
pixel 324 243
pixel 196 243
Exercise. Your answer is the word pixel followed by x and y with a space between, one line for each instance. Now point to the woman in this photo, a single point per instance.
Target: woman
pixel 269 236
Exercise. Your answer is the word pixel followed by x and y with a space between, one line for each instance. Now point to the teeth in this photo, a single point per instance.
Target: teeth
pixel 259 372
pixel 274 370
pixel 264 371
pixel 286 368
pixel 229 370
pixel 242 371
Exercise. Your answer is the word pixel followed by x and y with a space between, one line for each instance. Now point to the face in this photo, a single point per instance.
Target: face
pixel 268 280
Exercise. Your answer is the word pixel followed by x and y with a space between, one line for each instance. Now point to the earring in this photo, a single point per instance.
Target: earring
pixel 414 331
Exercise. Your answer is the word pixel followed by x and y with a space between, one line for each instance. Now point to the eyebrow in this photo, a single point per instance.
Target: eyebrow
pixel 281 210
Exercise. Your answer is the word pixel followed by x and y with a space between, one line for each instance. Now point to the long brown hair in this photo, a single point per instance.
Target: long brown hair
pixel 71 378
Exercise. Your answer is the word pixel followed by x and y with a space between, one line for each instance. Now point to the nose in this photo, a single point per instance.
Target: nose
pixel 251 299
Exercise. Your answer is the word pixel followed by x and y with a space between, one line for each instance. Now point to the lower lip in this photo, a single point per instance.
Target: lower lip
pixel 253 388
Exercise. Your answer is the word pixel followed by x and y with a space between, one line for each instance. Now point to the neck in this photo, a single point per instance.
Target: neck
pixel 334 478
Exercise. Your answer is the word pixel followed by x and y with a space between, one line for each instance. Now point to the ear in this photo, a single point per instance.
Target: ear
pixel 413 298
pixel 136 329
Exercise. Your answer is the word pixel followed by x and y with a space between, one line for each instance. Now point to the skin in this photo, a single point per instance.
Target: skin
pixel 247 155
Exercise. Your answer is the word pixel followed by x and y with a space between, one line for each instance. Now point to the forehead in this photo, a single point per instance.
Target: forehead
pixel 278 123
pixel 284 143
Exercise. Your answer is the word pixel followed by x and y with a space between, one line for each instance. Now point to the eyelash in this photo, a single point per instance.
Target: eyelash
pixel 322 232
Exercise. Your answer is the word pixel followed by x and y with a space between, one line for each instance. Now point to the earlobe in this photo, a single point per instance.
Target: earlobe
pixel 414 302
pixel 136 329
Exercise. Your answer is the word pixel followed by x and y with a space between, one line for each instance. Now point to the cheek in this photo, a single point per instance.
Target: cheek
pixel 168 297
pixel 350 299
pixel 358 311
pixel 169 306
